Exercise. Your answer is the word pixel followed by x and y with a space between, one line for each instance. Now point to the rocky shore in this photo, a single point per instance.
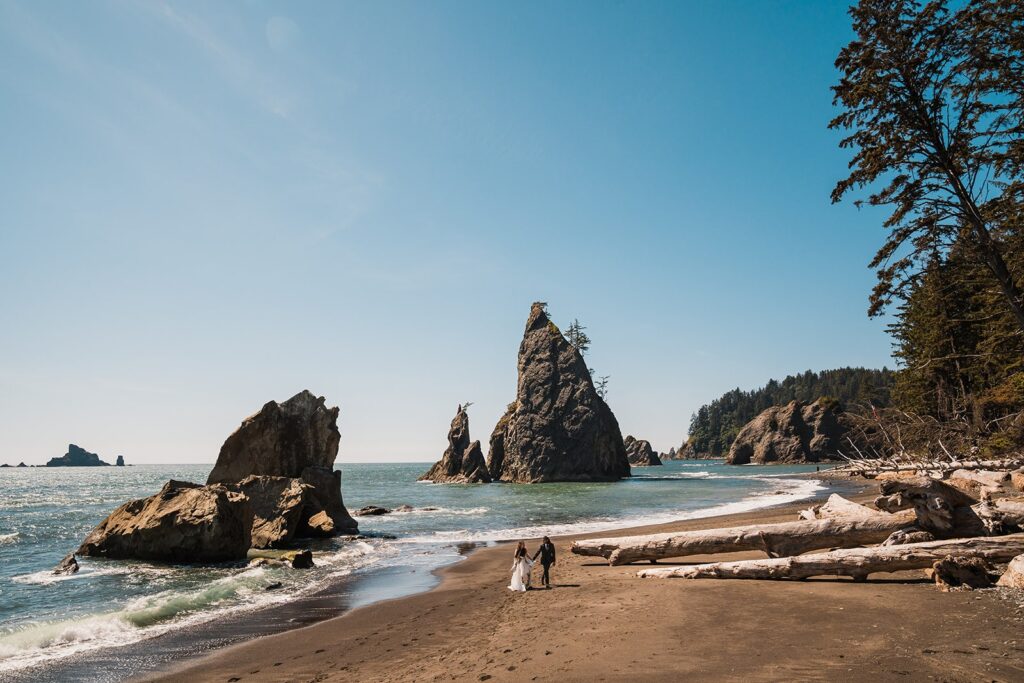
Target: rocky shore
pixel 589 628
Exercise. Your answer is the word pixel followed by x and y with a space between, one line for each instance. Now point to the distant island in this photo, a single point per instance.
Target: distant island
pixel 79 457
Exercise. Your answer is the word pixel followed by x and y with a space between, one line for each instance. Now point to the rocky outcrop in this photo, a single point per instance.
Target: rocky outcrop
pixel 794 433
pixel 463 461
pixel 372 511
pixel 278 505
pixel 558 428
pixel 76 457
pixel 298 438
pixel 639 453
pixel 67 566
pixel 1013 577
pixel 291 492
pixel 120 461
pixel 184 522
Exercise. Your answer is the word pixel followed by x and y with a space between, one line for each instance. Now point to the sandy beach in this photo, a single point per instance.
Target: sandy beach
pixel 601 623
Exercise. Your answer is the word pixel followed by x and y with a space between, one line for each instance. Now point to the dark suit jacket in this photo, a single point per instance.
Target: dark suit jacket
pixel 546 552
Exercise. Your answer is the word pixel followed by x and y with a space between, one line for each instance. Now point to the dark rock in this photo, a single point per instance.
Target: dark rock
pixel 372 511
pixel 120 461
pixel 558 428
pixel 184 522
pixel 69 565
pixel 640 453
pixel 5 465
pixel 299 439
pixel 462 462
pixel 964 573
pixel 76 457
pixel 273 586
pixel 793 433
pixel 21 464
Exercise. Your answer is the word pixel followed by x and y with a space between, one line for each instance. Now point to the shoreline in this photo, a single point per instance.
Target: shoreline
pixel 604 623
pixel 272 613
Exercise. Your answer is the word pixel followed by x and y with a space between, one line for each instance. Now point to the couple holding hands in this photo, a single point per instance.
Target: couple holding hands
pixel 522 564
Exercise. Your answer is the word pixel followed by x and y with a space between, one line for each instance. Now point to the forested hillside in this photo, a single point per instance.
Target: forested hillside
pixel 714 426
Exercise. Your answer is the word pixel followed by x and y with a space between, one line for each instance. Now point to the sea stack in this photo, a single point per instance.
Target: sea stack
pixel 273 483
pixel 463 461
pixel 77 457
pixel 298 439
pixel 120 461
pixel 558 428
pixel 640 453
pixel 794 433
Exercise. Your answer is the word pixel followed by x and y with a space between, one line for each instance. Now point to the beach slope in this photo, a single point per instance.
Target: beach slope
pixel 602 623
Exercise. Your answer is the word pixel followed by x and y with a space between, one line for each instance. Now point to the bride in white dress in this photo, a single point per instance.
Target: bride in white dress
pixel 521 566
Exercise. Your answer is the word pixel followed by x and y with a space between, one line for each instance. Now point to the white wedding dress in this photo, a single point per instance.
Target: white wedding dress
pixel 521 574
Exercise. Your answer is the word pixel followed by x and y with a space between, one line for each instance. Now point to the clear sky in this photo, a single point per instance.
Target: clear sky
pixel 206 206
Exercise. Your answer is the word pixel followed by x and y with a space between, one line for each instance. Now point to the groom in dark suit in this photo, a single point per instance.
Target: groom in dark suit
pixel 546 552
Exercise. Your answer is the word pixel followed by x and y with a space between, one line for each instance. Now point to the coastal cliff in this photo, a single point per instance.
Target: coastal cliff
pixel 558 428
pixel 794 433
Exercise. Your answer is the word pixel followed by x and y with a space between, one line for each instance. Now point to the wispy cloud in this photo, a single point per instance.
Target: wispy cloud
pixel 238 69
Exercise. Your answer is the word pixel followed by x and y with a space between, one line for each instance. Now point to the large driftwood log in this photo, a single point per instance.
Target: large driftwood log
pixel 940 508
pixel 872 467
pixel 1002 516
pixel 777 540
pixel 855 562
pixel 837 506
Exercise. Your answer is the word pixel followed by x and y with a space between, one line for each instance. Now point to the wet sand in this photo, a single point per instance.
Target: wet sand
pixel 601 623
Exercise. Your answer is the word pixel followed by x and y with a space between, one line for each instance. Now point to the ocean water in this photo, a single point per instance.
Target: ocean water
pixel 109 606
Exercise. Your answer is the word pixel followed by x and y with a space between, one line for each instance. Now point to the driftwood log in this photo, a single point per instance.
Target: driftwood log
pixel 854 562
pixel 942 509
pixel 854 528
pixel 837 506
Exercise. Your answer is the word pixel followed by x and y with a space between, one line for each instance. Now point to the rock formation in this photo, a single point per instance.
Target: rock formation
pixel 278 504
pixel 67 566
pixel 21 464
pixel 1013 577
pixel 76 457
pixel 793 433
pixel 463 461
pixel 558 428
pixel 292 492
pixel 120 461
pixel 639 453
pixel 299 439
pixel 184 522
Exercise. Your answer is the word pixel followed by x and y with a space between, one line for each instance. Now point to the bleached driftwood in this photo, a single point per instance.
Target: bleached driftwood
pixel 940 508
pixel 777 540
pixel 1005 515
pixel 872 467
pixel 855 562
pixel 837 506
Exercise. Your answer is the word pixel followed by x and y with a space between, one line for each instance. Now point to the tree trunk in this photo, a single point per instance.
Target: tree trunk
pixel 855 562
pixel 777 540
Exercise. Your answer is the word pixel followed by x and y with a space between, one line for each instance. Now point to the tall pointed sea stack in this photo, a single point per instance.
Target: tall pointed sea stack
pixel 558 428
pixel 462 462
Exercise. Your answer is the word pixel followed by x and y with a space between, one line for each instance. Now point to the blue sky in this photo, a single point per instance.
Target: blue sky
pixel 210 205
